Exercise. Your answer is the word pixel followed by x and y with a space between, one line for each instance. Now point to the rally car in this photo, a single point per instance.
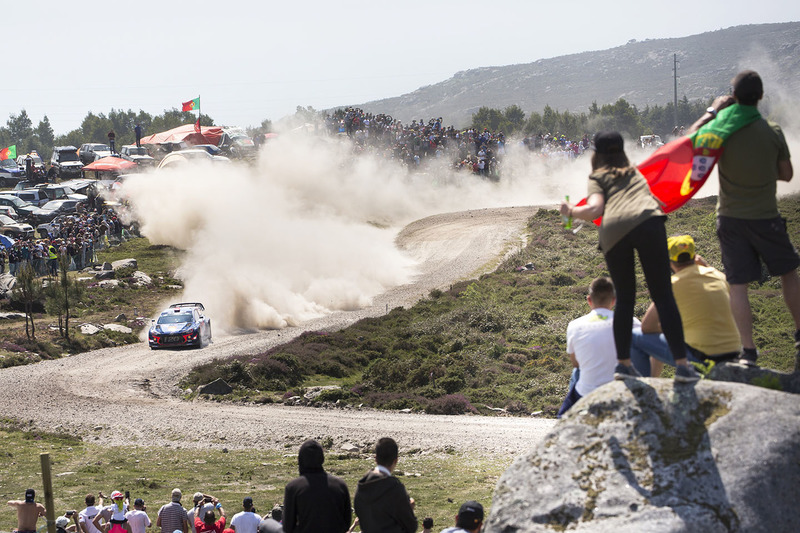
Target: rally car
pixel 181 324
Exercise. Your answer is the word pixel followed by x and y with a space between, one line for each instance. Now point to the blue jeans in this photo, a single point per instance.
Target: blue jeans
pixel 646 345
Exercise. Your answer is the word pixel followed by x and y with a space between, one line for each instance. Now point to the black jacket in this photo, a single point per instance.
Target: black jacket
pixel 315 502
pixel 382 505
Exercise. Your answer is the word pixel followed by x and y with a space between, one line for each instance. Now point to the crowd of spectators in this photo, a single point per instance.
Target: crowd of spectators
pixel 557 146
pixel 313 502
pixel 77 236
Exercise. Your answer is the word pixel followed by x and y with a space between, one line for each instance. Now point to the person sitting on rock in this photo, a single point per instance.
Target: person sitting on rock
pixel 590 343
pixel 470 516
pixel 703 297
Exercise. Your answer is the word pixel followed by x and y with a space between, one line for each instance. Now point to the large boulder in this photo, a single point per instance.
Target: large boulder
pixel 653 455
pixel 218 386
pixel 760 377
pixel 124 263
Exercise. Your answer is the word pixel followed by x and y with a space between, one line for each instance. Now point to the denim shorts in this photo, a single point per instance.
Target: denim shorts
pixel 745 243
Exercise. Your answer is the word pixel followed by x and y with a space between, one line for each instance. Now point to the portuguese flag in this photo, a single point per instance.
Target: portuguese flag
pixel 191 105
pixel 9 153
pixel 677 170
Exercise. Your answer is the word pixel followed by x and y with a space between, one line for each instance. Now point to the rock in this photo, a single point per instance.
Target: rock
pixel 760 377
pixel 120 318
pixel 7 282
pixel 313 392
pixel 118 327
pixel 11 316
pixel 349 447
pixel 651 455
pixel 89 329
pixel 123 263
pixel 104 274
pixel 218 386
pixel 141 279
pixel 107 266
pixel 109 283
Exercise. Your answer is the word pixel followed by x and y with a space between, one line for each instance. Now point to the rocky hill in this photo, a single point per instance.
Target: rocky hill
pixel 639 71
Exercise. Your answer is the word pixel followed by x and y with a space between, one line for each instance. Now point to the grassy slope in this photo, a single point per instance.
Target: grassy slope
pixel 498 341
pixel 79 468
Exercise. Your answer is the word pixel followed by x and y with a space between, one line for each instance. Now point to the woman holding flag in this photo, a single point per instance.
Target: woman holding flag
pixel 633 221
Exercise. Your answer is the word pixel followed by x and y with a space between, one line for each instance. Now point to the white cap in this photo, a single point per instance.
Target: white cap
pixel 62 522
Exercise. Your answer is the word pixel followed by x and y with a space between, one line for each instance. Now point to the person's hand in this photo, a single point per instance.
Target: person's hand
pixel 565 208
pixel 721 102
pixel 215 501
pixel 412 502
pixel 698 259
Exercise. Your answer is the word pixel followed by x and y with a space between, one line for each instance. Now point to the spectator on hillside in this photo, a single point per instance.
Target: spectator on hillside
pixel 468 520
pixel 381 501
pixel 703 298
pixel 315 502
pixel 209 523
pixel 590 343
pixel 86 516
pixel 63 525
pixel 749 226
pixel 246 521
pixel 113 516
pixel 632 223
pixel 112 138
pixel 28 512
pixel 270 525
pixel 172 516
pixel 137 518
pixel 201 504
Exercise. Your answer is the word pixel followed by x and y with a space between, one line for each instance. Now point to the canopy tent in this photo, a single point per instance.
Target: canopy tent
pixel 5 241
pixel 187 133
pixel 110 164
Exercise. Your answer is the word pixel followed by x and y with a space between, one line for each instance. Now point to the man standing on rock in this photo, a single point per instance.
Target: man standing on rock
pixel 381 501
pixel 749 226
pixel 470 517
pixel 315 502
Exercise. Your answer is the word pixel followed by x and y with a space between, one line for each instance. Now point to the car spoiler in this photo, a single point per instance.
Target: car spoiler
pixel 188 304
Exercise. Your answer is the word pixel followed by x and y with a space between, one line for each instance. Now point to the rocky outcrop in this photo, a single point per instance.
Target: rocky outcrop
pixel 124 263
pixel 653 455
pixel 760 377
pixel 218 386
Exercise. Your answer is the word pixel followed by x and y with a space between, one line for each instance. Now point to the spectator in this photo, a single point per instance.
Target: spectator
pixel 315 502
pixel 112 137
pixel 590 343
pixel 28 512
pixel 138 131
pixel 138 519
pixel 246 521
pixel 381 501
pixel 202 503
pixel 632 222
pixel 63 525
pixel 172 516
pixel 427 525
pixel 208 523
pixel 703 299
pixel 270 525
pixel 468 520
pixel 86 516
pixel 113 515
pixel 749 226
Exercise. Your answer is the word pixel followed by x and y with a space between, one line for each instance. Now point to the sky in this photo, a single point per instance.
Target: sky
pixel 249 61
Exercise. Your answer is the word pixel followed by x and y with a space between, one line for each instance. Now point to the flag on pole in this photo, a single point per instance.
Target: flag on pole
pixel 197 125
pixel 9 153
pixel 677 170
pixel 191 105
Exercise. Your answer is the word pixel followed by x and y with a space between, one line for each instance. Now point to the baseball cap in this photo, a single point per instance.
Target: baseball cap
pixel 197 496
pixel 30 496
pixel 138 501
pixel 470 515
pixel 681 248
pixel 608 142
pixel 62 522
pixel 247 502
pixel 116 495
pixel 176 495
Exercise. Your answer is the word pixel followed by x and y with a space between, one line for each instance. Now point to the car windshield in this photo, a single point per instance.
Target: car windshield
pixel 137 151
pixel 183 318
pixel 16 201
pixel 8 163
pixel 100 147
pixel 4 220
pixel 68 156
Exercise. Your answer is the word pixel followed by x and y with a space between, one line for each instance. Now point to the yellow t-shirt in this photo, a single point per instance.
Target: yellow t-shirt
pixel 704 301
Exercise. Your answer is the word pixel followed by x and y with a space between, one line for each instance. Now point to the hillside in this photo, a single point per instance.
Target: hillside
pixel 640 72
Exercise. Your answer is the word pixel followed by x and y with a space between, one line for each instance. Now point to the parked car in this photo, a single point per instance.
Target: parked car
pixel 59 192
pixel 38 163
pixel 23 208
pixel 10 173
pixel 183 157
pixel 236 144
pixel 35 196
pixel 138 155
pixel 51 210
pixel 181 324
pixel 89 152
pixel 210 148
pixel 9 211
pixel 12 228
pixel 65 164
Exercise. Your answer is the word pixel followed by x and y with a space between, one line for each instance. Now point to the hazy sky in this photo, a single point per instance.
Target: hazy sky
pixel 253 60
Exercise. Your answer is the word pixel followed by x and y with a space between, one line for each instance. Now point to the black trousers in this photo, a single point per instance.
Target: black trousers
pixel 649 240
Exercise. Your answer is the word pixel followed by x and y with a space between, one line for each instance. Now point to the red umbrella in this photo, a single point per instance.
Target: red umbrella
pixel 109 164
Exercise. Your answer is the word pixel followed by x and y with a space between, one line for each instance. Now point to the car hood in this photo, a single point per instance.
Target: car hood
pixel 71 164
pixel 180 327
pixel 21 227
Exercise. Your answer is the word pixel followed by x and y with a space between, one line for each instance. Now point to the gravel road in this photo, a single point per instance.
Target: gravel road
pixel 91 391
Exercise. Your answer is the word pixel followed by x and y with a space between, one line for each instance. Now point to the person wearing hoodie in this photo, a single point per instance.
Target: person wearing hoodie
pixel 316 501
pixel 381 501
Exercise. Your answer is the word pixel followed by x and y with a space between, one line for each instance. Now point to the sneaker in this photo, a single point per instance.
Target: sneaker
pixel 748 357
pixel 686 374
pixel 626 372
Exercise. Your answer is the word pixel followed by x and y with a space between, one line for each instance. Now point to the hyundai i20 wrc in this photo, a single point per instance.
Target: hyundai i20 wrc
pixel 181 324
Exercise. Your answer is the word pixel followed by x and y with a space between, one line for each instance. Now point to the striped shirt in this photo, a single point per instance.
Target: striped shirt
pixel 172 516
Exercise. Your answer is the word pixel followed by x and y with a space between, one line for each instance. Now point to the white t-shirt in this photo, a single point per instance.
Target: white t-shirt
pixel 86 516
pixel 138 520
pixel 245 522
pixel 591 339
pixel 206 507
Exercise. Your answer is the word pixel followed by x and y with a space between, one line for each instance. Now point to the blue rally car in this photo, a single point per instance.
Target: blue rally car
pixel 182 324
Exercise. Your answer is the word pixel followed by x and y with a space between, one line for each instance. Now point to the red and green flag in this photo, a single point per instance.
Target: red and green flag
pixel 9 153
pixel 191 105
pixel 677 170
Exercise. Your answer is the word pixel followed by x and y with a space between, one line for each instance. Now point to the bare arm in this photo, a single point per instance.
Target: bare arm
pixel 719 103
pixel 650 322
pixel 785 170
pixel 593 208
pixel 573 359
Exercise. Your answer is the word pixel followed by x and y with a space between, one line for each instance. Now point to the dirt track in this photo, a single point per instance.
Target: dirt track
pixel 128 395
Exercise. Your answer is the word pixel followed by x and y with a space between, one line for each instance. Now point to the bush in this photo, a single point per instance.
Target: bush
pixel 452 404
